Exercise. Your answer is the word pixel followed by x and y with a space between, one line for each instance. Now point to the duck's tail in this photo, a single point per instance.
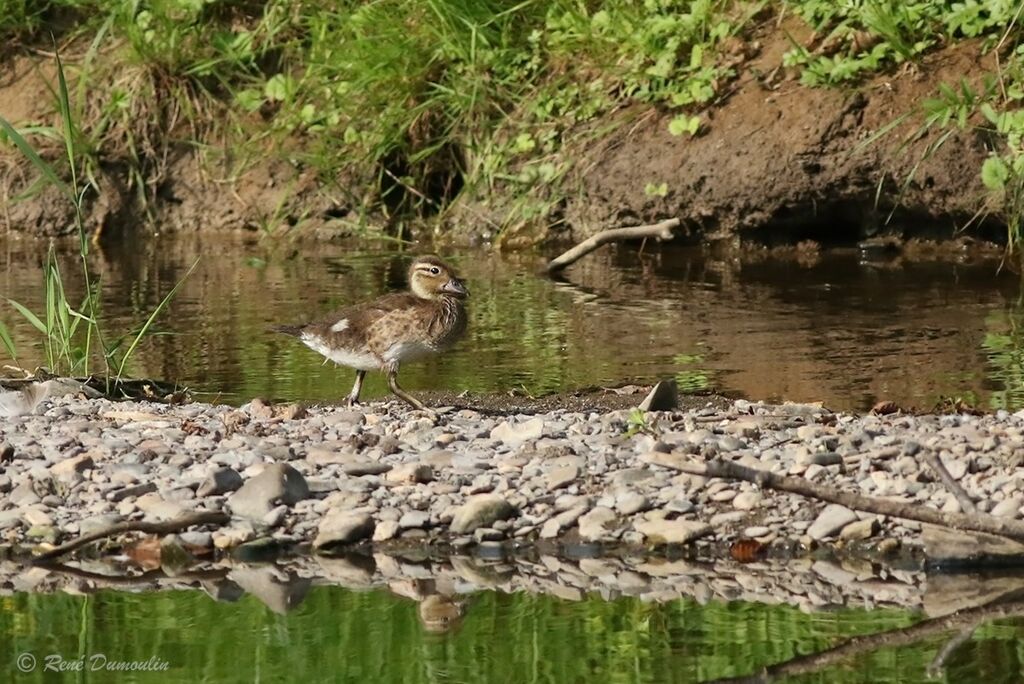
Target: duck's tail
pixel 293 330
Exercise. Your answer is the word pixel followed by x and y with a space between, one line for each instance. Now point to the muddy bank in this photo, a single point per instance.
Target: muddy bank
pixel 332 478
pixel 780 162
pixel 775 161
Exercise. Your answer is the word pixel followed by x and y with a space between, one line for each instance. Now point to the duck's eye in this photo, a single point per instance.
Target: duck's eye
pixel 434 270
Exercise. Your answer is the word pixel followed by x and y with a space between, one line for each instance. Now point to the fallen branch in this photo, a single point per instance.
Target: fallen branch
pixel 659 231
pixel 166 527
pixel 976 522
pixel 933 461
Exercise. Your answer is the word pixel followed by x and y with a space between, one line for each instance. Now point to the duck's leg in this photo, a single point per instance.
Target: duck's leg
pixel 353 396
pixel 391 370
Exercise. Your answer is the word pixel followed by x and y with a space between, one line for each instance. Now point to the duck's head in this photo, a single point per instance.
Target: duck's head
pixel 431 278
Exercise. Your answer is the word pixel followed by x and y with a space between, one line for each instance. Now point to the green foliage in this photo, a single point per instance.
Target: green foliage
pixel 69 346
pixel 859 37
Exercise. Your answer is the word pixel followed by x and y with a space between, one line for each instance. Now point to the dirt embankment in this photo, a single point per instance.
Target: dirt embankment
pixel 781 162
pixel 775 161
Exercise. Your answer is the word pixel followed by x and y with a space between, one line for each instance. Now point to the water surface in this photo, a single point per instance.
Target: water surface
pixel 835 329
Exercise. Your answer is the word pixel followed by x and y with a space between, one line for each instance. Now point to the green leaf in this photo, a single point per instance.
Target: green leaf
pixel 5 337
pixel 684 124
pixel 277 88
pixel 989 113
pixel 652 190
pixel 29 316
pixel 994 173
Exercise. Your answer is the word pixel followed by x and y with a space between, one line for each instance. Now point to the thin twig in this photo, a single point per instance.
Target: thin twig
pixel 977 522
pixel 166 527
pixel 659 231
pixel 933 461
pixel 938 664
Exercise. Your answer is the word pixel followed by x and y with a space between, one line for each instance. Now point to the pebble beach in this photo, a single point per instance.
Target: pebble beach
pixel 331 477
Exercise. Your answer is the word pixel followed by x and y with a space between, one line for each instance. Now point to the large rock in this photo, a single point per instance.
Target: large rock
pixel 672 531
pixel 481 511
pixel 343 527
pixel 278 484
pixel 664 396
pixel 832 519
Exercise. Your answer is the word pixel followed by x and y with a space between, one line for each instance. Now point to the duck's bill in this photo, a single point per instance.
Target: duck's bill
pixel 455 287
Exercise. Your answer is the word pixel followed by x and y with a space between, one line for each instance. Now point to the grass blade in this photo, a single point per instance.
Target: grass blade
pixel 37 161
pixel 152 317
pixel 5 337
pixel 29 316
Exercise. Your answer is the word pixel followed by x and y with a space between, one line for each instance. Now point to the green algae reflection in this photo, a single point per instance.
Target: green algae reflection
pixel 340 635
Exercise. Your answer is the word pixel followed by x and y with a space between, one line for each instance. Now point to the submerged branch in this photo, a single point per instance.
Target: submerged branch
pixel 166 527
pixel 659 231
pixel 971 522
pixel 894 638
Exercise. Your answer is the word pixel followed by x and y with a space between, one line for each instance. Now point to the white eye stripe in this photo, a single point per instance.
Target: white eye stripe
pixel 340 325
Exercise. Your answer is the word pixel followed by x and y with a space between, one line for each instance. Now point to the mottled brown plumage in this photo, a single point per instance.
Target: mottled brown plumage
pixel 384 333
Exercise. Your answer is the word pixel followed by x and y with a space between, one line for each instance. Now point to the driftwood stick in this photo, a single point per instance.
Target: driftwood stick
pixel 166 527
pixel 659 231
pixel 936 464
pixel 976 522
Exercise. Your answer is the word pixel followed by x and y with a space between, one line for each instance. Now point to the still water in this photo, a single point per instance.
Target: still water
pixel 834 330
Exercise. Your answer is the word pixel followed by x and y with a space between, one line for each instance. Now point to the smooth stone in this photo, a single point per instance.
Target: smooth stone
pixel 631 502
pixel 414 519
pixel 756 531
pixel 481 511
pixel 562 477
pixel 861 529
pixel 36 517
pixel 1008 508
pixel 410 473
pixel 385 530
pixel 514 434
pixel 832 519
pixel 598 523
pixel 75 464
pixel 135 490
pixel 361 468
pixel 343 527
pixel 278 483
pixel 746 501
pixel 220 481
pixel 553 527
pixel 672 531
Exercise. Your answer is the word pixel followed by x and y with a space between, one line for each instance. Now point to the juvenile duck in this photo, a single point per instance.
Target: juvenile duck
pixel 384 333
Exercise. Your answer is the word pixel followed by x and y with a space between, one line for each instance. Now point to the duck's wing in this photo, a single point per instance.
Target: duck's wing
pixel 350 328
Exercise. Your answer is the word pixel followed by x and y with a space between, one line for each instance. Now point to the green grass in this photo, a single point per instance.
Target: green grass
pixel 408 105
pixel 73 336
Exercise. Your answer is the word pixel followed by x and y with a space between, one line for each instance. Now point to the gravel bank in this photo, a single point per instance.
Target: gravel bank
pixel 331 477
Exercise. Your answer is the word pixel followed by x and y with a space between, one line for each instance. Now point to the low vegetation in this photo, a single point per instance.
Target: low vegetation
pixel 444 99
